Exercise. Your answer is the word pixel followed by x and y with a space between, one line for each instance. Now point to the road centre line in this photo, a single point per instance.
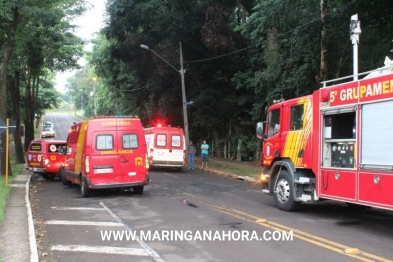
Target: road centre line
pixel 152 253
pixel 101 249
pixel 79 208
pixel 82 223
pixel 333 246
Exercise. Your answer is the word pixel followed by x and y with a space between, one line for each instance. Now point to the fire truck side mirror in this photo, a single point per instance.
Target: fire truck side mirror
pixel 259 130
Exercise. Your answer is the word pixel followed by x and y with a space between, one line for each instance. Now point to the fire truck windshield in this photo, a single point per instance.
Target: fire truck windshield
pixel 273 122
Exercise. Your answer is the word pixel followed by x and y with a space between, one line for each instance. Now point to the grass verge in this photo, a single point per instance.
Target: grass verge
pixel 5 190
pixel 242 171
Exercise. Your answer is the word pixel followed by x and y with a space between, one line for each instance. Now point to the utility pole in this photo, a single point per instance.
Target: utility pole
pixel 95 97
pixel 183 92
pixel 183 86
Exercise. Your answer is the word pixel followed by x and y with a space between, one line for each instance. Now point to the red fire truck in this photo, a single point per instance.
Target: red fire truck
pixel 333 144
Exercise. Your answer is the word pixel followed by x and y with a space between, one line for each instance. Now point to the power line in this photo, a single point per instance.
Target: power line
pixel 143 87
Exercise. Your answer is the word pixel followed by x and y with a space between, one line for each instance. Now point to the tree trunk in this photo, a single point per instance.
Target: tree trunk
pixel 215 145
pixel 15 98
pixel 225 150
pixel 343 59
pixel 272 56
pixel 5 59
pixel 29 119
pixel 323 73
pixel 239 146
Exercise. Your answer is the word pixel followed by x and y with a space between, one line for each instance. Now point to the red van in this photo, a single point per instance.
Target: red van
pixel 106 152
pixel 44 157
pixel 166 146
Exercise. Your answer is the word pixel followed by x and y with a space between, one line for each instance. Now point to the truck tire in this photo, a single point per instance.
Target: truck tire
pixel 63 177
pixel 85 192
pixel 283 192
pixel 138 189
pixel 48 176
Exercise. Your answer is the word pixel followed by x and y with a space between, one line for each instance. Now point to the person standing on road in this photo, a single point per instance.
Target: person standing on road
pixel 191 149
pixel 205 153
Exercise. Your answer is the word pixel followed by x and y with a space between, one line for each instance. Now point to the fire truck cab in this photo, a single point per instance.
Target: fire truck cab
pixel 166 146
pixel 333 144
pixel 106 152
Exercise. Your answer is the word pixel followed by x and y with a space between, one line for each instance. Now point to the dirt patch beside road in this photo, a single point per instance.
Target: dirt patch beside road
pixel 44 252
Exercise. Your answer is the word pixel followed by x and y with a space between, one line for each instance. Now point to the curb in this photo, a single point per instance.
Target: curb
pixel 32 239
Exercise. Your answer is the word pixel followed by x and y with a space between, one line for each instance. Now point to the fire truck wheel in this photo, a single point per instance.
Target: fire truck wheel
pixel 63 177
pixel 85 192
pixel 48 176
pixel 138 190
pixel 283 192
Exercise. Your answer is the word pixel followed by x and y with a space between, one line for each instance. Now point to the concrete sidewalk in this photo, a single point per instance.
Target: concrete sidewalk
pixel 17 234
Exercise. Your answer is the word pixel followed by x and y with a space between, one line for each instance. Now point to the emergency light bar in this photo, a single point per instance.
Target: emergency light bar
pixel 99 117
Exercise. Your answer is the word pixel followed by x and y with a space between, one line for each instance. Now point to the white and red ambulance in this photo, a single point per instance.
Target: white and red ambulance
pixel 166 146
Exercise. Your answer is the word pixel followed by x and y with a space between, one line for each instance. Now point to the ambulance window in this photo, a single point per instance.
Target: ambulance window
pixel 130 141
pixel 161 140
pixel 176 141
pixel 104 142
pixel 297 113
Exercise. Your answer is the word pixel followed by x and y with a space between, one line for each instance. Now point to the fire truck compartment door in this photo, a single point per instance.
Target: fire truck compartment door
pixel 376 135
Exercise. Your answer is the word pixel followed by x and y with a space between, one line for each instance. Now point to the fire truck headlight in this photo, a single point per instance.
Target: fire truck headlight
pixel 264 178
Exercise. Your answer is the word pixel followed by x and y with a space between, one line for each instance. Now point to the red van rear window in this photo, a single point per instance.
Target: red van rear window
pixel 54 148
pixel 35 147
pixel 104 142
pixel 130 141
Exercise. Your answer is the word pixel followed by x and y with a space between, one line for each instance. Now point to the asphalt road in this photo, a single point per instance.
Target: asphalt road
pixel 194 203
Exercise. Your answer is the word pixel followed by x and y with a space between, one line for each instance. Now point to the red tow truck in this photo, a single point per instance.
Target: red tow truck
pixel 334 144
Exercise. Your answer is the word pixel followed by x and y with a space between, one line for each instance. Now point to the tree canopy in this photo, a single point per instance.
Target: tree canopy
pixel 238 56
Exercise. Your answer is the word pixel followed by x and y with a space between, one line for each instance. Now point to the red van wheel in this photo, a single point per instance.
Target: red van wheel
pixel 138 190
pixel 85 192
pixel 63 178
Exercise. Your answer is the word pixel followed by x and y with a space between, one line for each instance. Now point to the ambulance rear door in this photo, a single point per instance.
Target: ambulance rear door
pixel 132 155
pixel 104 159
pixel 169 149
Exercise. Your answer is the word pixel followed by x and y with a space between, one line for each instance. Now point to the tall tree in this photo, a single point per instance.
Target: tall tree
pixel 41 32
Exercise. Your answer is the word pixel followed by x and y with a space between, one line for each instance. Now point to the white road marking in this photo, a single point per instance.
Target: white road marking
pixel 148 249
pixel 82 223
pixel 102 249
pixel 79 208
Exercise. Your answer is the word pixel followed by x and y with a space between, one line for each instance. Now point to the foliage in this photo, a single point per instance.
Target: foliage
pixel 238 56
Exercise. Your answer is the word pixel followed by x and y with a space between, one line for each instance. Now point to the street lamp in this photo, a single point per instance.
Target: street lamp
pixel 94 101
pixel 183 88
pixel 355 32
